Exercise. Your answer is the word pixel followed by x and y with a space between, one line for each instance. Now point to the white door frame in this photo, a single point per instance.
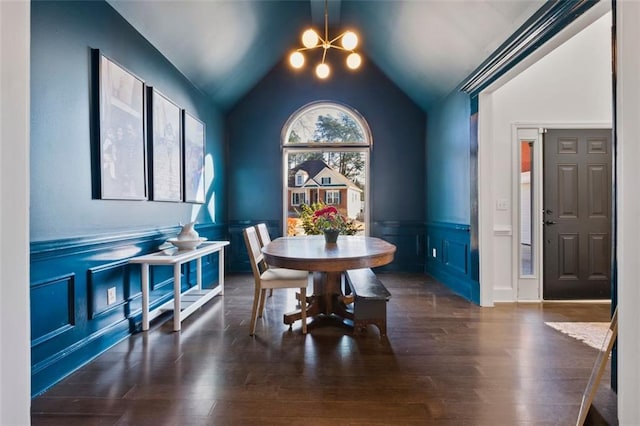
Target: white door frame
pixel 628 213
pixel 15 333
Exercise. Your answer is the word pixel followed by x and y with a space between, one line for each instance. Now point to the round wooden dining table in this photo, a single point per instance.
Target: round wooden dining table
pixel 327 262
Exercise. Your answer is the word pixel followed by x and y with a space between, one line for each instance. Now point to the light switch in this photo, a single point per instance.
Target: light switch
pixel 111 296
pixel 502 204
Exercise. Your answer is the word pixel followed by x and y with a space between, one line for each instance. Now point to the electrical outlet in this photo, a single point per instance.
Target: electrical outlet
pixel 433 252
pixel 111 296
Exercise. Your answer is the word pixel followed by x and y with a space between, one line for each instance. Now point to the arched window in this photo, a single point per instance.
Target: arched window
pixel 326 147
pixel 326 123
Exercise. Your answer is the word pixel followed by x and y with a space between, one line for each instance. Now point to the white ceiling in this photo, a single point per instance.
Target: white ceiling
pixel 427 47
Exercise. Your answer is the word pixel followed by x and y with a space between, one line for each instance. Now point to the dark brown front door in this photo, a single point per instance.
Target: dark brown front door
pixel 577 214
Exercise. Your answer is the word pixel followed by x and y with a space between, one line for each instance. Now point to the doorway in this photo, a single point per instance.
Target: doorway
pixel 577 222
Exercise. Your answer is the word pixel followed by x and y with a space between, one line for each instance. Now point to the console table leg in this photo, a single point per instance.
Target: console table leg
pixel 199 273
pixel 221 270
pixel 176 297
pixel 145 296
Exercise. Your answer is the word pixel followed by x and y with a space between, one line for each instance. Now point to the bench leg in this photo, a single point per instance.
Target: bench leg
pixel 367 312
pixel 360 326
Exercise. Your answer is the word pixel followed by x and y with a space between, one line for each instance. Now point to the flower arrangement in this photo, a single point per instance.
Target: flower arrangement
pixel 329 219
pixel 317 217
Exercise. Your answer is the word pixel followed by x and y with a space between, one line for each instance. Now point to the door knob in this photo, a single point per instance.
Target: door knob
pixel 550 222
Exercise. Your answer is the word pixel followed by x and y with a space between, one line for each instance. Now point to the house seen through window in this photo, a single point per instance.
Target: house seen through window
pixel 326 148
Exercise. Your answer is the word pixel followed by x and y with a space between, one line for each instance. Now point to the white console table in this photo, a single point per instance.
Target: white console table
pixel 184 304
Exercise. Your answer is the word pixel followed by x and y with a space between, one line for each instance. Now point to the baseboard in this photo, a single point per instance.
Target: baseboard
pixel 55 368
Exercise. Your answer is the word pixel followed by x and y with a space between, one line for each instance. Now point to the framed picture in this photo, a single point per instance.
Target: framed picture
pixel 165 165
pixel 193 159
pixel 122 154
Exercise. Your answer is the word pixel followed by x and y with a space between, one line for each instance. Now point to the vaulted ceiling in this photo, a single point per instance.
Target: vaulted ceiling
pixel 426 47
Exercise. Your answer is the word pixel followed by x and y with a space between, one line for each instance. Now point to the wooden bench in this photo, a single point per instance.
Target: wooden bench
pixel 370 298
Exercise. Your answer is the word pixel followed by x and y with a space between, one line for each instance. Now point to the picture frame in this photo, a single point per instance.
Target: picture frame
pixel 121 131
pixel 194 142
pixel 165 147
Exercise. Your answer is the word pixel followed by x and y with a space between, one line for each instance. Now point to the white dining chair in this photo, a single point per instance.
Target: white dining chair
pixel 265 238
pixel 263 234
pixel 266 278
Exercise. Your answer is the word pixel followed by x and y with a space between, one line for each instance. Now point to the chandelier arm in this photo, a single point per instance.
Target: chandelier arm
pixel 309 48
pixel 336 39
pixel 335 46
pixel 324 54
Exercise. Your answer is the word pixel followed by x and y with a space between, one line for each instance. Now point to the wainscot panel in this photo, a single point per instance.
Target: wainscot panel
pixel 408 237
pixel 72 320
pixel 238 256
pixel 448 254
pixel 58 296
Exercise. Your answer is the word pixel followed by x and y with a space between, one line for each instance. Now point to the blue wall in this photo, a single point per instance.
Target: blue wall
pixel 447 161
pixel 397 179
pixel 79 245
pixel 61 203
pixel 449 180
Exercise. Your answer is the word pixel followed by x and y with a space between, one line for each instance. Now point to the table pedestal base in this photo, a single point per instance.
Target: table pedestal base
pixel 327 299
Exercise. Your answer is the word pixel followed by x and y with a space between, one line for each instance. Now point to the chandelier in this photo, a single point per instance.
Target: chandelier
pixel 311 40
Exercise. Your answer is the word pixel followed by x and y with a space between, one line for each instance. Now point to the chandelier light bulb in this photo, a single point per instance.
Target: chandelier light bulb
pixel 353 61
pixel 349 40
pixel 310 38
pixel 296 60
pixel 322 71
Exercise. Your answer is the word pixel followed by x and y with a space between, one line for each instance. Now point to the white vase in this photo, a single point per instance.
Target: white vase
pixel 188 232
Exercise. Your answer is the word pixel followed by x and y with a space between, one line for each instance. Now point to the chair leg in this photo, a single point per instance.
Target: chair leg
pixel 303 309
pixel 263 298
pixel 254 311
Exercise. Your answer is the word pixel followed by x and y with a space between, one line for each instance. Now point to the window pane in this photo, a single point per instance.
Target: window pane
pixel 326 124
pixel 526 208
pixel 336 178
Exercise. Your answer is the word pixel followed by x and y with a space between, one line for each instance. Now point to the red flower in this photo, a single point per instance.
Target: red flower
pixel 328 218
pixel 327 211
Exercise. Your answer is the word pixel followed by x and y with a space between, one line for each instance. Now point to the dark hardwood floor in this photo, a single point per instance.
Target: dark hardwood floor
pixel 444 362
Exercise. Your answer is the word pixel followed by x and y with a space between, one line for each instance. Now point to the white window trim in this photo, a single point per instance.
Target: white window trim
pixel 334 194
pixel 300 195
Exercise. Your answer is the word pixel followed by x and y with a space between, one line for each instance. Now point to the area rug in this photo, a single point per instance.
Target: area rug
pixel 591 333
